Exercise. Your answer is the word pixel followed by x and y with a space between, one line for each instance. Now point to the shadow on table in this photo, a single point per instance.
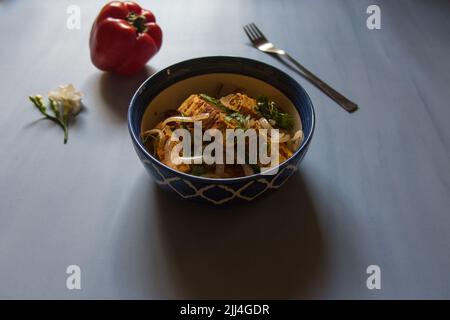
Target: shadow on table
pixel 270 248
pixel 117 90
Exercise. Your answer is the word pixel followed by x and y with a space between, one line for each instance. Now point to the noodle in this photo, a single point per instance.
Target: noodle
pixel 234 111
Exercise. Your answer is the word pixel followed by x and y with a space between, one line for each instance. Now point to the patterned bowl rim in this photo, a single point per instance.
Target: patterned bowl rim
pixel 218 60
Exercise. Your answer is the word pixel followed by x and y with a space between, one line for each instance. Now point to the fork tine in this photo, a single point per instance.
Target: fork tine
pixel 258 32
pixel 250 33
pixel 247 32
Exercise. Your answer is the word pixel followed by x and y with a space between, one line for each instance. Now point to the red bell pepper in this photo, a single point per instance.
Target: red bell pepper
pixel 124 37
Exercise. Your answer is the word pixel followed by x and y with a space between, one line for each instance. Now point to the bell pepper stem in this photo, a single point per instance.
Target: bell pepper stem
pixel 137 21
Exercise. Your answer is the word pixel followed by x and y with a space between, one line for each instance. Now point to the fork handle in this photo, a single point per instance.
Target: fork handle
pixel 329 91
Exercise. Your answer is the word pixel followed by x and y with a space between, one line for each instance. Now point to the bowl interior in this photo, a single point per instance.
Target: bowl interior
pixel 214 84
pixel 168 88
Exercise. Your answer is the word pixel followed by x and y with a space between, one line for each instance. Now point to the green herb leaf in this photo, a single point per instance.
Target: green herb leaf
pixel 209 99
pixel 269 110
pixel 239 118
pixel 216 102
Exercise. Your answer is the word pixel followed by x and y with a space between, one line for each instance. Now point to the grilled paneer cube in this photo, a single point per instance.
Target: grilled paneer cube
pixel 240 103
pixel 195 105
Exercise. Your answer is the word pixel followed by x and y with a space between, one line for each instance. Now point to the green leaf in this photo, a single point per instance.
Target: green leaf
pixel 209 99
pixel 216 103
pixel 239 118
pixel 269 110
pixel 38 102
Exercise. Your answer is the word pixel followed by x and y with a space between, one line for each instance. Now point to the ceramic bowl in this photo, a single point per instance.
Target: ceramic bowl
pixel 168 88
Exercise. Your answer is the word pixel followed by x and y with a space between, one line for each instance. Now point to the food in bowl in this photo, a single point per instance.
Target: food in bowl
pixel 232 115
pixel 171 86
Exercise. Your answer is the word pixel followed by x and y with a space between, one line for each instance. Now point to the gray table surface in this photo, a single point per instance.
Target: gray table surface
pixel 374 189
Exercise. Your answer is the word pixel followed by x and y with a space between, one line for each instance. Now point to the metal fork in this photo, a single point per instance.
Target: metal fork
pixel 261 43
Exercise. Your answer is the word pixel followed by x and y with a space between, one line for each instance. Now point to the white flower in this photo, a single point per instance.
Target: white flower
pixel 67 97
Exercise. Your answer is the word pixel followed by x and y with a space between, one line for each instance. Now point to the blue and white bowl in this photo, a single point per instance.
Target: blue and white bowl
pixel 168 88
